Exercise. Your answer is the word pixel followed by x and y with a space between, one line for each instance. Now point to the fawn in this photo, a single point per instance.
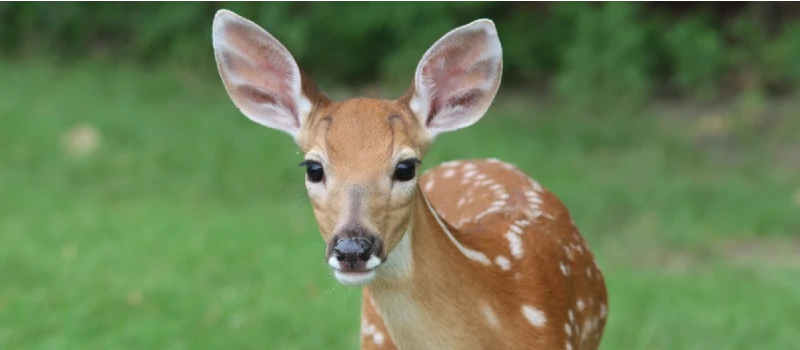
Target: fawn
pixel 472 254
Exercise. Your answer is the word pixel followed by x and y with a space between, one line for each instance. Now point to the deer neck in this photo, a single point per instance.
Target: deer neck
pixel 422 285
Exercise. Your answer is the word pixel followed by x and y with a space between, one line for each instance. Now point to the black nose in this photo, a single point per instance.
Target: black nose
pixel 352 250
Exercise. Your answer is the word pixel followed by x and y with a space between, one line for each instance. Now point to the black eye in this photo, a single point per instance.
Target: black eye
pixel 313 170
pixel 406 170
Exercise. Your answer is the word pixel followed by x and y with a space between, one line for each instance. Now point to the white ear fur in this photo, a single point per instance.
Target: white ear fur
pixel 458 77
pixel 259 74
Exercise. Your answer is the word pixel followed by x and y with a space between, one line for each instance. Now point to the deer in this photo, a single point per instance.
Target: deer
pixel 471 254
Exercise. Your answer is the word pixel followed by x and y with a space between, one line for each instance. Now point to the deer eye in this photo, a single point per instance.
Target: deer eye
pixel 313 170
pixel 406 170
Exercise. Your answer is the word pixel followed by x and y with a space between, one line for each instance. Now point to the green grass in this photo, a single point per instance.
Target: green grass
pixel 187 226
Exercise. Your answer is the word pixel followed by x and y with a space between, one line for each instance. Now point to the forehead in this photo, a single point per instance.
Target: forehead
pixel 366 131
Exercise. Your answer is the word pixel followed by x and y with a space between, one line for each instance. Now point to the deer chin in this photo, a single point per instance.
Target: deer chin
pixel 355 279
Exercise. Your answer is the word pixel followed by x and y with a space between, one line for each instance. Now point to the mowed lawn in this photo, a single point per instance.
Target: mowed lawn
pixel 140 210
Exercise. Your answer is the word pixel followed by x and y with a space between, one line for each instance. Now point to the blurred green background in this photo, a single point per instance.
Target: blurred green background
pixel 140 210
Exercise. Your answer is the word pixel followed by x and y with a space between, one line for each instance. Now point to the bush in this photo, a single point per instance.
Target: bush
pixel 606 64
pixel 697 56
pixel 590 53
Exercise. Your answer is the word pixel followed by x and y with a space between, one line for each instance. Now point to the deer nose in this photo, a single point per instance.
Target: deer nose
pixel 353 250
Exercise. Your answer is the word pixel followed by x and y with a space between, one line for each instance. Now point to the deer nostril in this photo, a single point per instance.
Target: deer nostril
pixel 339 255
pixel 365 255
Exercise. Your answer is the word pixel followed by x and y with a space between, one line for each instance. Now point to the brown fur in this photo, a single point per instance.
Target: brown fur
pixel 358 138
pixel 457 319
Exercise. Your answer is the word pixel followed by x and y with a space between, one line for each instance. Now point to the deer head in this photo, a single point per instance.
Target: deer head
pixel 361 155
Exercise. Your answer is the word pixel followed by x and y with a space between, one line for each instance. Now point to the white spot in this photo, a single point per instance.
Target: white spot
pixel 449 173
pixel 515 244
pixel 534 316
pixel 579 249
pixel 480 177
pixel 589 272
pixel 587 327
pixel 499 204
pixel 503 262
pixel 533 212
pixel 496 187
pixel 378 338
pixel 461 202
pixel 568 329
pixel 522 223
pixel 491 318
pixel 581 305
pixel 571 316
pixel 569 346
pixel 563 268
pixel 568 252
pixel 369 330
pixel 452 163
pixel 517 275
pixel 429 185
pixel 470 166
pixel 493 160
pixel 470 174
pixel 469 253
pixel 503 196
pixel 603 311
pixel 535 201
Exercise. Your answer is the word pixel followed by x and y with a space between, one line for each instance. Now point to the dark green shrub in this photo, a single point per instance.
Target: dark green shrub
pixel 697 56
pixel 606 63
pixel 591 53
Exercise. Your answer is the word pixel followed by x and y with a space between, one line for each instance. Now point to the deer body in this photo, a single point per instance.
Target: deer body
pixel 470 255
pixel 524 278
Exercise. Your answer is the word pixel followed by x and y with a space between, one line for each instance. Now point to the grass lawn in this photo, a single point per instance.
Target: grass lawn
pixel 140 210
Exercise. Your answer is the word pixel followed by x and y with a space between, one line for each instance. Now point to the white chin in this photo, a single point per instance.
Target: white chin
pixel 354 279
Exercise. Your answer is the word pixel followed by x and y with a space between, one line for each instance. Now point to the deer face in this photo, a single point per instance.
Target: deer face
pixel 361 156
pixel 361 162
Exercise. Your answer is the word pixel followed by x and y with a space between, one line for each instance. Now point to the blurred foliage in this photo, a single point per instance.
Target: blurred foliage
pixel 587 52
pixel 607 49
pixel 696 51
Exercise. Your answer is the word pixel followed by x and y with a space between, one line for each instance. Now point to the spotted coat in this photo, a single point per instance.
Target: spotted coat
pixel 548 290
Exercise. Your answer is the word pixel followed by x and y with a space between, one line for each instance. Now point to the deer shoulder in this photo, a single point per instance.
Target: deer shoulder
pixel 540 266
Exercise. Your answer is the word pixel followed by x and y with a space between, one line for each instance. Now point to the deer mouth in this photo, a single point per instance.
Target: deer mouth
pixel 355 274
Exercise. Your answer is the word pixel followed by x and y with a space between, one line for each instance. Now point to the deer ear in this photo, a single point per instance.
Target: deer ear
pixel 457 78
pixel 261 76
